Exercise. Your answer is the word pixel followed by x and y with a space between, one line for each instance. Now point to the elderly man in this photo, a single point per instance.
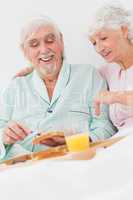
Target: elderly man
pixel 55 96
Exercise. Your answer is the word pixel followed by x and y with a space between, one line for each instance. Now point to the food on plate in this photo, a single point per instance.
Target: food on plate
pixel 45 136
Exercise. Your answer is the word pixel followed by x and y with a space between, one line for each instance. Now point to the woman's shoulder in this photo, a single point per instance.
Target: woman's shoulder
pixel 108 70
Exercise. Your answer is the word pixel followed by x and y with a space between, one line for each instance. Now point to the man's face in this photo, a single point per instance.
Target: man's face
pixel 44 49
pixel 109 44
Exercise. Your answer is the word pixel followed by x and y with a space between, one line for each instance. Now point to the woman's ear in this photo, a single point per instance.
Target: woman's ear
pixel 124 30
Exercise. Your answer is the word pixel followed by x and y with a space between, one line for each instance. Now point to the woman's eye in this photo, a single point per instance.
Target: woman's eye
pixel 93 43
pixel 103 38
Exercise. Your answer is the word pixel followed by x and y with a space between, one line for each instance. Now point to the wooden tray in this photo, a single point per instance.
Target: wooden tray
pixel 61 152
pixel 51 152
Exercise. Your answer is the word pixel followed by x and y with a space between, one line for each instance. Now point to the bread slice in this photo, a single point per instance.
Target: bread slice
pixel 45 136
pixel 51 152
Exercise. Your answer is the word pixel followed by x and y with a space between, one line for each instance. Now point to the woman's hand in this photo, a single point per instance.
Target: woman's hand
pixel 24 71
pixel 104 97
pixel 14 132
pixel 111 97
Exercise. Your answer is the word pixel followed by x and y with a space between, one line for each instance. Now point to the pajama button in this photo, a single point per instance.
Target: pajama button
pixel 49 111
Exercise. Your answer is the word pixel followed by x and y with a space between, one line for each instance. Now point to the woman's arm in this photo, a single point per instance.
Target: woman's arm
pixel 111 97
pixel 24 71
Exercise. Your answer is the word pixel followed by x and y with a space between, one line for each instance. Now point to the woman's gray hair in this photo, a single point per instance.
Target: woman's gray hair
pixel 34 24
pixel 112 15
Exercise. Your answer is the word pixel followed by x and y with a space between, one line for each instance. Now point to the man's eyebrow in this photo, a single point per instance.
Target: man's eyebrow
pixel 50 35
pixel 31 40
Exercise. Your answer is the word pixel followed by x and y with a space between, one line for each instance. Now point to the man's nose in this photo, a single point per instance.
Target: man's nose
pixel 43 47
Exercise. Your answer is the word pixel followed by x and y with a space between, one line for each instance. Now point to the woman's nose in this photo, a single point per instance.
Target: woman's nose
pixel 99 48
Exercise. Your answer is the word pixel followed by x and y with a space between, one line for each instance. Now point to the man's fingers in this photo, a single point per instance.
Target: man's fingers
pixel 19 127
pixel 14 132
pixel 17 131
pixel 9 132
pixel 9 140
pixel 26 130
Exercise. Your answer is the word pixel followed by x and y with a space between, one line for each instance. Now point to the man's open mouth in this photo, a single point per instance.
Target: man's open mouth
pixel 46 58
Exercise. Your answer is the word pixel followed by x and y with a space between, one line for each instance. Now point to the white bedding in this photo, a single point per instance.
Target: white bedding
pixel 108 176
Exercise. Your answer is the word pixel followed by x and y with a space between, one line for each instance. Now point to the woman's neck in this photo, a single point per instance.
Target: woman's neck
pixel 127 58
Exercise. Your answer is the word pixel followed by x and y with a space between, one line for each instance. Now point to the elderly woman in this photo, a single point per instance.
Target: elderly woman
pixel 111 34
pixel 51 98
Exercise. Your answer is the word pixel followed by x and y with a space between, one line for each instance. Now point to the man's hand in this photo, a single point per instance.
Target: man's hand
pixel 105 97
pixel 24 71
pixel 54 141
pixel 14 132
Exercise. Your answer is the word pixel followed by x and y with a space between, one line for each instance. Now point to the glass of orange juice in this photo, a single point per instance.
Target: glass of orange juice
pixel 76 131
pixel 77 142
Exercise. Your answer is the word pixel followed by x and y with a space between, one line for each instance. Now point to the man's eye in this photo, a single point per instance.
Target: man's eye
pixel 50 38
pixel 33 43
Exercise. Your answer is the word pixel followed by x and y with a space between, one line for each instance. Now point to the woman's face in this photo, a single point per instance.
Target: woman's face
pixel 110 44
pixel 44 49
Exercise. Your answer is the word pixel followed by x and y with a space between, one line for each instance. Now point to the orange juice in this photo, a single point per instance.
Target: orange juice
pixel 77 142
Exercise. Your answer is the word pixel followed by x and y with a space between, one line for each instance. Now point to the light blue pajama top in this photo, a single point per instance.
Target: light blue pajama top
pixel 70 109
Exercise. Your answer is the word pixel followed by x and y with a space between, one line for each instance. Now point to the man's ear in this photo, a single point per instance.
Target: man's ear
pixel 62 42
pixel 124 30
pixel 61 36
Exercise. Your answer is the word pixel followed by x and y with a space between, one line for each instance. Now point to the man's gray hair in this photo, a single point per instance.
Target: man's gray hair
pixel 34 24
pixel 112 15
